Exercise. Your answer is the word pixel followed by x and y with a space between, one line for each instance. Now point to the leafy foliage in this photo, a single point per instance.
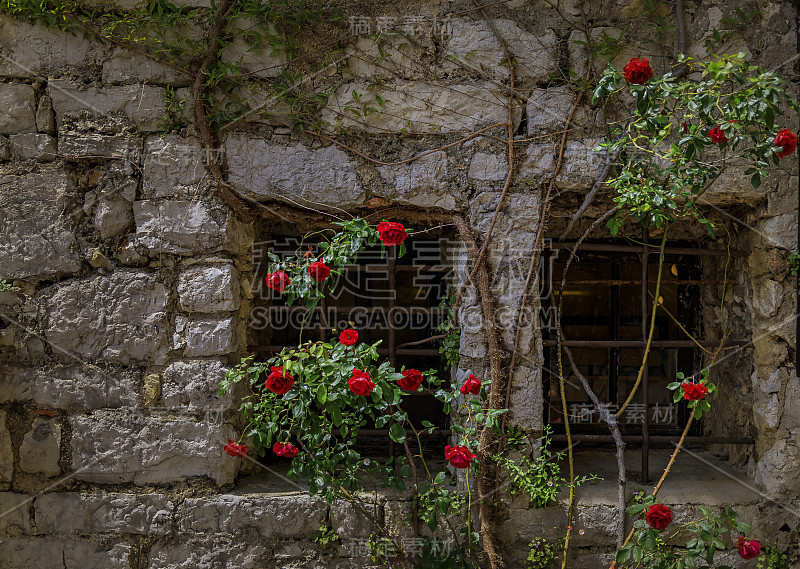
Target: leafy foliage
pixel 668 156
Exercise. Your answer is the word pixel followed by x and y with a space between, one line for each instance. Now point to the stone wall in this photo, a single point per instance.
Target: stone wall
pixel 131 278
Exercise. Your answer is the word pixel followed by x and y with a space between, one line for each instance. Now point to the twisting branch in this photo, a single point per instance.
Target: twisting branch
pixel 487 438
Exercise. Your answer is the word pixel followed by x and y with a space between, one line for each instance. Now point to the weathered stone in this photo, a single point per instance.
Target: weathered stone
pixel 112 217
pixel 126 66
pixel 96 145
pixel 388 56
pixel 72 513
pixel 45 116
pixel 548 109
pixel 49 553
pixel 420 182
pixel 474 45
pixel 212 288
pixel 296 515
pixel 142 104
pixel 16 518
pixel 41 448
pixel 791 410
pixel 776 469
pixel 186 227
pixel 194 386
pixel 38 237
pixel 780 231
pixel 31 146
pixel 262 61
pixel 5 149
pixel 767 411
pixel 151 389
pixel 119 317
pixel 350 522
pixel 488 167
pixel 34 50
pixel 417 107
pixel 582 165
pixel 218 552
pixel 6 451
pixel 209 337
pixel 325 176
pixel 767 298
pixel 72 388
pixel 113 447
pixel 19 110
pixel 171 165
pixel 525 412
pixel 538 162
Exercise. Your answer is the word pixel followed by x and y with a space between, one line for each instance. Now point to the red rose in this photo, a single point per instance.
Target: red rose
pixel 235 449
pixel 472 385
pixel 412 379
pixel 360 383
pixel 787 140
pixel 694 391
pixel 717 135
pixel 637 72
pixel 319 271
pixel 658 516
pixel 287 450
pixel 748 548
pixel 391 233
pixel 684 128
pixel 278 281
pixel 348 337
pixel 279 381
pixel 459 457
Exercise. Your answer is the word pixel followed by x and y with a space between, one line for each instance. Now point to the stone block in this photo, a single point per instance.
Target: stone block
pixel 322 177
pixel 261 61
pixel 19 108
pixel 72 513
pixel 38 236
pixel 525 411
pixel 34 50
pixel 296 516
pixel 417 107
pixel 474 45
pixel 6 451
pixel 15 509
pixel 186 227
pixel 421 182
pixel 776 470
pixel 95 145
pixel 112 217
pixel 207 337
pixel 349 522
pixel 142 104
pixel 767 298
pixel 538 162
pixel 31 146
pixel 582 165
pixel 209 288
pixel 118 317
pixel 193 385
pixel 45 116
pixel 172 165
pixel 54 553
pixel 72 388
pixel 41 448
pixel 216 552
pixel 126 66
pixel 548 109
pixel 780 231
pixel 113 447
pixel 488 167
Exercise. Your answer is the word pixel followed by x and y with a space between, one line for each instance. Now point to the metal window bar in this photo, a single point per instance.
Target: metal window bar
pixel 615 344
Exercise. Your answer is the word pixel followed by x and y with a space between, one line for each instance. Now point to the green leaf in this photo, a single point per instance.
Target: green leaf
pixel 623 555
pixel 397 433
pixel 322 394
